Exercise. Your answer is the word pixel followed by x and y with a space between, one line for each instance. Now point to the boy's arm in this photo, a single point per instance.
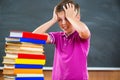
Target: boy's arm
pixel 81 28
pixel 43 28
pixel 74 19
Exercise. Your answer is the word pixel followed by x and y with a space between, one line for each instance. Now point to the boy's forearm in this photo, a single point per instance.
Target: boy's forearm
pixel 43 28
pixel 81 28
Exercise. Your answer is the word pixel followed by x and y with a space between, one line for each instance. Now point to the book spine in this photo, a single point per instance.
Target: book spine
pixel 31 49
pixel 29 61
pixel 28 71
pixel 35 41
pixel 34 36
pixel 29 66
pixel 31 56
pixel 29 78
pixel 29 75
pixel 15 33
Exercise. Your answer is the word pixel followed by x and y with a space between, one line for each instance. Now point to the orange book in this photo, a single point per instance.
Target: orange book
pixel 14 71
pixel 28 71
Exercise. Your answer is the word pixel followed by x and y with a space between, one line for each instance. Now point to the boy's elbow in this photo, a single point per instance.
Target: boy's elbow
pixel 85 34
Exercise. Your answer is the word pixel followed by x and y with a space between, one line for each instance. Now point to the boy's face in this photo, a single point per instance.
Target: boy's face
pixel 64 24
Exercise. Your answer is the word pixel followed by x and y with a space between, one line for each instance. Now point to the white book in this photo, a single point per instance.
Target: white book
pixel 29 75
pixel 15 33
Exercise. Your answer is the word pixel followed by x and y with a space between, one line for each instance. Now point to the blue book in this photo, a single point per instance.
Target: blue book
pixel 28 66
pixel 29 78
pixel 35 41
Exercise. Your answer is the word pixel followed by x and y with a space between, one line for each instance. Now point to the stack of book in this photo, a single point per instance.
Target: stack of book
pixel 25 57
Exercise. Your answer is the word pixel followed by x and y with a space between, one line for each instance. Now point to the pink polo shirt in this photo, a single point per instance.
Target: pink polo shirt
pixel 70 57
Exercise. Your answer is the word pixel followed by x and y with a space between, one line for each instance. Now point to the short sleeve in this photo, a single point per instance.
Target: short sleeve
pixel 53 37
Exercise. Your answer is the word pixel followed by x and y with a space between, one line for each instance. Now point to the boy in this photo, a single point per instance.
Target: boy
pixel 71 44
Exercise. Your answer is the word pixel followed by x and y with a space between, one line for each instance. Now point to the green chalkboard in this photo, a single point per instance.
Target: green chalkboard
pixel 101 16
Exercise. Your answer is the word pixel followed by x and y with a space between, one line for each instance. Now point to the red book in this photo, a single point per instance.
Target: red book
pixel 34 35
pixel 26 34
pixel 31 56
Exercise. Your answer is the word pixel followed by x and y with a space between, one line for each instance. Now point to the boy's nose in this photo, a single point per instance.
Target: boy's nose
pixel 63 22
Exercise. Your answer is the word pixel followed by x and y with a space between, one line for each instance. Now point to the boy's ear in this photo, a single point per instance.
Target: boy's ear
pixel 78 16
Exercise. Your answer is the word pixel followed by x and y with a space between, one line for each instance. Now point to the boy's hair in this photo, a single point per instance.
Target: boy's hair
pixel 60 5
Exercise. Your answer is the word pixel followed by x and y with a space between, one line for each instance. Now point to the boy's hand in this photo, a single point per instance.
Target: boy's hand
pixel 70 11
pixel 54 15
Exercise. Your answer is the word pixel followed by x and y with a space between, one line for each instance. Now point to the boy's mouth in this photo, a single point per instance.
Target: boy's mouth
pixel 65 28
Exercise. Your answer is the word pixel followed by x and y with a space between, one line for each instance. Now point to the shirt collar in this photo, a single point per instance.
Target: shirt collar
pixel 64 34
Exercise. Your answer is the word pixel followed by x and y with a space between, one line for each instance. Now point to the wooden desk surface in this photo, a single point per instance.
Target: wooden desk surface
pixel 93 75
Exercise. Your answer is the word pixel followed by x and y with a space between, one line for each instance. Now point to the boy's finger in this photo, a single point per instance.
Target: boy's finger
pixel 70 5
pixel 64 8
pixel 73 6
pixel 67 5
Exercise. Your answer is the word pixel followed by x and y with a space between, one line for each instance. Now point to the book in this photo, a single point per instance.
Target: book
pixel 35 41
pixel 24 75
pixel 13 44
pixel 17 48
pixel 28 40
pixel 10 55
pixel 8 71
pixel 7 50
pixel 15 71
pixel 22 51
pixel 24 78
pixel 9 77
pixel 28 71
pixel 12 39
pixel 29 66
pixel 26 34
pixel 27 56
pixel 25 44
pixel 7 60
pixel 29 78
pixel 32 56
pixel 29 75
pixel 31 48
pixel 12 47
pixel 30 61
pixel 10 66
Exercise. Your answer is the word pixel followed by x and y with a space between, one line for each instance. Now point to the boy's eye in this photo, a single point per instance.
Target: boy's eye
pixel 59 20
pixel 66 19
